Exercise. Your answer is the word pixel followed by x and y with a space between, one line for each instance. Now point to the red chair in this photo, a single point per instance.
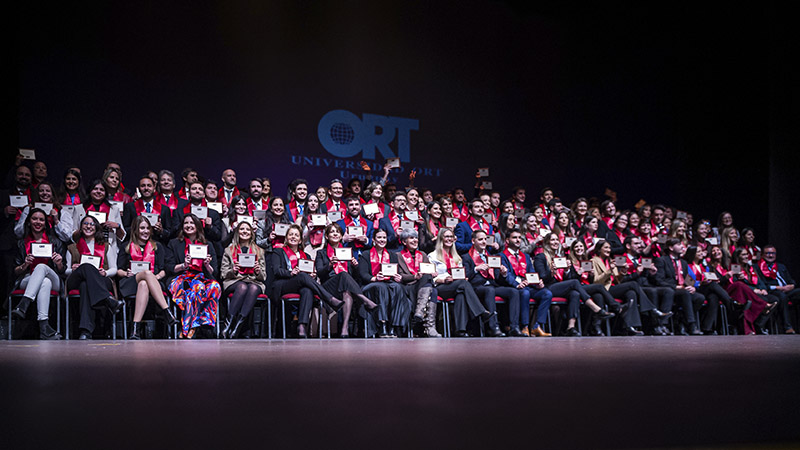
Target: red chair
pixel 18 294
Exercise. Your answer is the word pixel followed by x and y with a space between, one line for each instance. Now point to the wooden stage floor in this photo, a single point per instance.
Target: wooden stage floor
pixel 646 392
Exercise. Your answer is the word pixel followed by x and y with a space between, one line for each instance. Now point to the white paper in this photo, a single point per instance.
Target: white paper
pixel 488 218
pixel 120 206
pixel 427 268
pixel 711 276
pixel 561 263
pixel 595 240
pixel 46 207
pixel 543 232
pixel 519 214
pixel 27 153
pixel 450 222
pixel 248 219
pixel 489 239
pixel 140 266
pixel 712 241
pixel 216 206
pixel 371 208
pixel 494 262
pixel 483 171
pixel 18 201
pixel 259 214
pixel 586 266
pixel 39 250
pixel 319 220
pixel 100 216
pixel 335 216
pixel 305 265
pixel 736 268
pixel 406 225
pixel 91 259
pixel 662 238
pixel 393 163
pixel 647 263
pixel 486 185
pixel 344 253
pixel 389 269
pixel 568 241
pixel 281 228
pixel 412 215
pixel 151 217
pixel 68 209
pixel 681 215
pixel 620 261
pixel 355 230
pixel 458 273
pixel 200 211
pixel 247 260
pixel 198 251
pixel 532 278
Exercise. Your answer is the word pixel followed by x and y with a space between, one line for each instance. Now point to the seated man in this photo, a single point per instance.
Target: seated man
pixel 779 283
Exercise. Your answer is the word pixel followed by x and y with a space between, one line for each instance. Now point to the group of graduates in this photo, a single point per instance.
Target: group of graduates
pixel 385 256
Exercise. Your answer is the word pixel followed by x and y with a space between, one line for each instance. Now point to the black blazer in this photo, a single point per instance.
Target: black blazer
pixel 176 254
pixel 665 276
pixel 474 277
pixel 129 213
pixel 324 267
pixel 213 232
pixel 124 258
pixel 543 269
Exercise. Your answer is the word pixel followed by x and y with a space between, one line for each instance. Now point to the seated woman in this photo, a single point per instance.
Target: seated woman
pixel 580 211
pixel 147 283
pixel 193 287
pixel 678 230
pixel 39 275
pixel 751 303
pixel 729 241
pixel 93 283
pixel 336 276
pixel 238 208
pixel 244 283
pixel 433 224
pixel 374 194
pixel 386 291
pixel 565 282
pixel 466 301
pixel 563 227
pixel 112 181
pixel 313 236
pixel 508 223
pixel 418 286
pixel 112 228
pixel 749 277
pixel 288 279
pixel 72 191
pixel 616 236
pixel 748 242
pixel 532 230
pixel 711 289
pixel 266 238
pixel 589 233
pixel 61 224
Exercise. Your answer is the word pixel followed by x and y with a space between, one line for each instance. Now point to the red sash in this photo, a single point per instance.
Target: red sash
pixel 221 195
pixel 251 205
pixel 460 212
pixel 338 267
pixel 620 234
pixel 412 262
pixel 139 205
pixel 149 255
pixel 103 208
pixel 73 199
pixel 376 260
pixel 558 274
pixel 36 261
pixel 588 239
pixel 379 215
pixel 294 211
pixel 448 261
pixel 196 264
pixel 770 272
pixel 433 228
pixel 182 193
pixel 235 254
pixel 698 272
pixel 172 204
pixel 330 207
pixel 315 234
pixel 518 262
pixel 350 222
pixel 395 220
pixel 750 274
pixel 676 263
pixel 488 274
pixel 293 257
pixel 478 225
pixel 121 196
pixel 188 208
pixel 99 250
pixel 609 221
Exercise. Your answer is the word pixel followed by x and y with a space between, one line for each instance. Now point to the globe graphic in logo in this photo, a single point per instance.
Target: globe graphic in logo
pixel 342 133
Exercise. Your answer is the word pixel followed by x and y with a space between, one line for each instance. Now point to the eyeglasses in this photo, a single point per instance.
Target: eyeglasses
pixel 770 253
pixel 89 224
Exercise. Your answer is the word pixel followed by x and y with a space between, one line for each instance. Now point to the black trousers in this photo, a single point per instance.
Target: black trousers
pixel 488 293
pixel 94 289
pixel 784 298
pixel 307 288
pixel 662 297
pixel 689 303
pixel 393 305
pixel 714 293
pixel 465 301
pixel 573 292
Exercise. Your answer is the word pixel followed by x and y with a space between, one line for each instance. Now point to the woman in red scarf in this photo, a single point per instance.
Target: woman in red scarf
pixel 313 236
pixel 288 279
pixel 433 224
pixel 738 290
pixel 39 275
pixel 112 180
pixel 93 282
pixel 145 284
pixel 193 287
pixel 385 291
pixel 374 194
pixel 60 224
pixel 336 276
pixel 72 191
pixel 749 276
pixel 243 284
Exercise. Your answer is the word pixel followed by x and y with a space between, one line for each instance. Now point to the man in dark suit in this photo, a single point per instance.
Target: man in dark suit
pixel 354 219
pixel 672 272
pixel 779 283
pixel 518 264
pixel 148 204
pixel 474 222
pixel 8 218
pixel 391 223
pixel 486 283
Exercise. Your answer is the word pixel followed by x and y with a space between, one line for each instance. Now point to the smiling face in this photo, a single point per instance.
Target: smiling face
pixel 334 236
pixel 448 239
pixel 240 207
pixel 447 206
pixel 411 243
pixel 245 232
pixel 144 231
pixel 45 192
pixel 578 249
pixel 399 204
pixel 256 189
pixel 71 182
pixel 413 197
pixel 166 183
pixel 582 208
pixel 312 202
pixel 477 209
pixel 514 240
pixel 37 222
pixel 377 192
pixel 197 192
pixel 293 237
pixel 716 253
pixel 479 241
pixel 749 236
pixel 336 191
pixel 276 206
pixel 113 180
pixel 189 228
pixel 353 207
pixel 379 239
pixel 146 188
pixel 212 191
pixel 98 193
pixel 604 250
pixel 554 242
pixel 88 227
pixel 621 223
pixel 435 212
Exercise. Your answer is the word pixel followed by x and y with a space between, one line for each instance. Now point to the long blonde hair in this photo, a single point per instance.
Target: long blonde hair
pixel 438 253
pixel 251 243
pixel 548 252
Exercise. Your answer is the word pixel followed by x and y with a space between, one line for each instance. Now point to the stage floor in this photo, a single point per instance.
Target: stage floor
pixel 646 392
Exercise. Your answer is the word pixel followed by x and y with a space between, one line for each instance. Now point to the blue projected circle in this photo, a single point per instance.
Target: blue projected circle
pixel 342 133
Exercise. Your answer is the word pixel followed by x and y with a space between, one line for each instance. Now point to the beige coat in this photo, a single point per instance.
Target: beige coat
pixel 230 276
pixel 603 276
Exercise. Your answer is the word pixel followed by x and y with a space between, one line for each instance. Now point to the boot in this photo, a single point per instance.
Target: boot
pixel 114 305
pixel 136 331
pixel 46 332
pixel 22 308
pixel 423 297
pixel 171 320
pixel 226 329
pixel 384 332
pixel 430 319
pixel 595 330
pixel 236 327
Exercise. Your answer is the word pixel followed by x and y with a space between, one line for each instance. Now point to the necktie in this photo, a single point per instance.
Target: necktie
pixel 147 207
pixel 678 274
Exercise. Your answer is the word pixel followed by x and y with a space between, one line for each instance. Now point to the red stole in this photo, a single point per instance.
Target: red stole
pixel 294 256
pixel 294 211
pixel 676 263
pixel 698 272
pixel 331 207
pixel 460 212
pixel 139 205
pixel 350 222
pixel 609 221
pixel 769 271
pixel 379 215
pixel 750 274
pixel 588 239
pixel 196 264
pixel 172 204
pixel 120 196
pixel 149 255
pixel 558 274
pixel 73 199
pixel 251 205
pixel 103 208
pixel 433 228
pixel 338 267
pixel 221 195
pixel 518 262
pixel 36 261
pixel 488 274
pixel 395 220
pixel 188 208
pixel 99 250
pixel 412 262
pixel 315 234
pixel 620 234
pixel 376 260
pixel 182 193
pixel 478 225
pixel 235 254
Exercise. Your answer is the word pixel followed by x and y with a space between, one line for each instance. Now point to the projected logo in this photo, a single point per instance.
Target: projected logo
pixel 343 134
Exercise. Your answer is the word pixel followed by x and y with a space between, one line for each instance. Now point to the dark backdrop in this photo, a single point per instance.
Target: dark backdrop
pixel 667 103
